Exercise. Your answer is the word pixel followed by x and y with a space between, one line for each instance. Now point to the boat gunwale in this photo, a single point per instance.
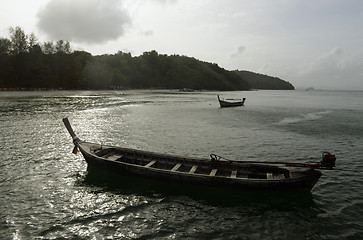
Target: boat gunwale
pixel 202 160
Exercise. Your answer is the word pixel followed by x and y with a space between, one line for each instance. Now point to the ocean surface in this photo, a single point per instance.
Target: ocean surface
pixel 48 193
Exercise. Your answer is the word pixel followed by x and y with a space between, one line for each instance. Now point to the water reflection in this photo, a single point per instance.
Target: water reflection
pixel 129 185
pixel 162 210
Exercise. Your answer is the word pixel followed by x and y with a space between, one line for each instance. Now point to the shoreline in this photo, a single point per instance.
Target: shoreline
pixel 62 92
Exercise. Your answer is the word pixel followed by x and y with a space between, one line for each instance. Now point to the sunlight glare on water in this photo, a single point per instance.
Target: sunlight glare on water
pixel 49 193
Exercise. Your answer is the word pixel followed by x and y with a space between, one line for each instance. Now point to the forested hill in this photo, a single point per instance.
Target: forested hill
pixel 81 70
pixel 261 81
pixel 153 70
pixel 27 64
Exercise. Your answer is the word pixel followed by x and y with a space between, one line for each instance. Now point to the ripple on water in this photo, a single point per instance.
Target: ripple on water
pixel 47 193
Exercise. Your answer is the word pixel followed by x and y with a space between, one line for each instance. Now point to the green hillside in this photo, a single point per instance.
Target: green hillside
pixel 27 64
pixel 261 81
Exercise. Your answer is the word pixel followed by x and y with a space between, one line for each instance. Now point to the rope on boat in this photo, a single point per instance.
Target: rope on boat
pixel 73 135
pixel 75 149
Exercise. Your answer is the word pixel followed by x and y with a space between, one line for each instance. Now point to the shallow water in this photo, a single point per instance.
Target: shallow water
pixel 48 193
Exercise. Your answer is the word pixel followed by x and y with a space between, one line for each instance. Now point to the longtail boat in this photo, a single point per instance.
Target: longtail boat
pixel 231 102
pixel 214 172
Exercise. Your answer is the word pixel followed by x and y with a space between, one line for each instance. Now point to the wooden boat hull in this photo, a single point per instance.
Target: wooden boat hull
pixel 224 103
pixel 221 174
pixel 229 104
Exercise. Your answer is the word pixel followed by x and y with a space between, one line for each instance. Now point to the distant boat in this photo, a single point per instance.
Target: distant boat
pixel 186 90
pixel 215 172
pixel 231 102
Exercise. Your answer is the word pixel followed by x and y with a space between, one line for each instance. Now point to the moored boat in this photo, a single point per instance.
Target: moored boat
pixel 214 172
pixel 231 102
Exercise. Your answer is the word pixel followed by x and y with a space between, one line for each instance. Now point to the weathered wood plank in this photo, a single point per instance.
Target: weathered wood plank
pixel 150 163
pixel 114 157
pixel 213 172
pixel 192 170
pixel 176 167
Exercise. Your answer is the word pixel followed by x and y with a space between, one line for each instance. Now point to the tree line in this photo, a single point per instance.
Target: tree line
pixel 25 63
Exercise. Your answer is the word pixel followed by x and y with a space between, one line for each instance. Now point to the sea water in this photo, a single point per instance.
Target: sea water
pixel 48 193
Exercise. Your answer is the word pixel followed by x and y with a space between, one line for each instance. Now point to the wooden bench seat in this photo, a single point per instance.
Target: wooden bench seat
pixel 192 170
pixel 150 164
pixel 176 167
pixel 213 172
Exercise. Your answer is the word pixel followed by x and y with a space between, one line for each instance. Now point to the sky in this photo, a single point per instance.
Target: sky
pixel 308 43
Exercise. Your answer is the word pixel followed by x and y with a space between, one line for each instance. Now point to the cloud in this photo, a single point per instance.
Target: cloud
pixel 88 21
pixel 335 69
pixel 238 51
pixel 325 63
pixel 148 33
pixel 166 1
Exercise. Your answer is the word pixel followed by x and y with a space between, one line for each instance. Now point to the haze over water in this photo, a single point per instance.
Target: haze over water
pixel 48 193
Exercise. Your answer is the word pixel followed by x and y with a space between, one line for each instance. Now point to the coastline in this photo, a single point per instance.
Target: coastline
pixel 61 92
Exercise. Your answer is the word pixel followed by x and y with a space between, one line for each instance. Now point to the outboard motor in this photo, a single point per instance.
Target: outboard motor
pixel 328 160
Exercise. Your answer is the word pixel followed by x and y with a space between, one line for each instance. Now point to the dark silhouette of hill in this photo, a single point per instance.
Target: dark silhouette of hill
pixel 26 64
pixel 261 81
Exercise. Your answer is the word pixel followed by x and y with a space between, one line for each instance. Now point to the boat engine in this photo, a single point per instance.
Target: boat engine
pixel 328 160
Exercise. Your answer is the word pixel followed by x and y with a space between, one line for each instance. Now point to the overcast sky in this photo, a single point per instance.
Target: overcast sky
pixel 308 43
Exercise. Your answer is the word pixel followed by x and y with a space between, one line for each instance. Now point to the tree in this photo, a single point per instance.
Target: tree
pixel 5 46
pixel 33 44
pixel 98 75
pixel 19 41
pixel 63 46
pixel 48 48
